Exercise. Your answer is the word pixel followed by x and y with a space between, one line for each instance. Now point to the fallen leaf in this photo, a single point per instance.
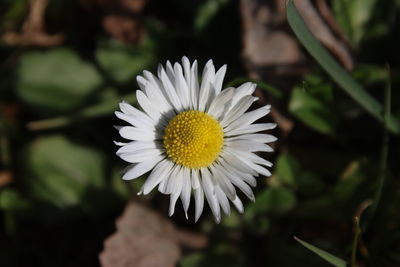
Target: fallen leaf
pixel 145 239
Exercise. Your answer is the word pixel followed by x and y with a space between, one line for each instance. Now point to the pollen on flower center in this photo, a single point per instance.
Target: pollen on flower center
pixel 193 139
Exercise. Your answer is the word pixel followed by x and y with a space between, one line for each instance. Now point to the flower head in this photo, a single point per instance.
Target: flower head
pixel 192 134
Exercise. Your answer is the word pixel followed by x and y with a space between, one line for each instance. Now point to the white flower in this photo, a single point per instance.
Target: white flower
pixel 193 135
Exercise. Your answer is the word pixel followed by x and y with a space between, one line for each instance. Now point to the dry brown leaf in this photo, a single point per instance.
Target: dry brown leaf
pixel 123 28
pixel 264 43
pixel 5 178
pixel 135 6
pixel 272 53
pixel 145 239
pixel 121 19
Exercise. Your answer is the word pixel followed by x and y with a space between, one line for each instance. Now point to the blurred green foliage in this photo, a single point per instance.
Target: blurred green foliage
pixel 41 80
pixel 56 132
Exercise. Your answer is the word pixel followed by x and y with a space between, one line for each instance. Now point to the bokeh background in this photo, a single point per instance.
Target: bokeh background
pixel 65 65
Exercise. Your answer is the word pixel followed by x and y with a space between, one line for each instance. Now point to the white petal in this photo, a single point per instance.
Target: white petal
pixel 138 121
pixel 237 110
pixel 222 181
pixel 172 202
pixel 259 160
pixel 160 172
pixel 141 82
pixel 186 69
pixel 181 86
pixel 152 110
pixel 136 170
pixel 248 118
pixel 240 158
pixel 175 187
pixel 137 145
pixel 162 187
pixel 169 89
pixel 210 194
pixel 121 143
pixel 233 161
pixel 186 189
pixel 253 128
pixel 237 181
pixel 220 104
pixel 238 204
pixel 223 200
pixel 248 145
pixel 199 202
pixel 129 109
pixel 261 138
pixel 243 90
pixel 140 155
pixel 248 178
pixel 195 179
pixel 158 89
pixel 219 79
pixel 170 72
pixel 194 85
pixel 206 89
pixel 138 134
pixel 174 182
pixel 155 93
pixel 187 75
pixel 256 167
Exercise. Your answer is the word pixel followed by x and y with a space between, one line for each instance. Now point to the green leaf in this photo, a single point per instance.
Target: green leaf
pixel 289 172
pixel 350 181
pixel 287 168
pixel 15 10
pixel 123 62
pixel 56 80
pixel 335 261
pixel 353 16
pixel 11 200
pixel 192 260
pixel 370 74
pixel 272 199
pixel 330 65
pixel 207 12
pixel 62 173
pixel 312 112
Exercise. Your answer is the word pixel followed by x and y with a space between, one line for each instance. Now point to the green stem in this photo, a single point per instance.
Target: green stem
pixel 385 149
pixel 357 232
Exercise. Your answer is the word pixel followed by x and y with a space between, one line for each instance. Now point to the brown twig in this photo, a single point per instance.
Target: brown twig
pixel 323 32
pixel 327 15
pixel 33 29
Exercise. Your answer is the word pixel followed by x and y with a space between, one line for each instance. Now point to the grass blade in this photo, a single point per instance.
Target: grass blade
pixel 335 261
pixel 339 75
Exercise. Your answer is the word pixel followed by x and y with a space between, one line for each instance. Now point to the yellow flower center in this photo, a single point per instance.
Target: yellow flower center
pixel 193 139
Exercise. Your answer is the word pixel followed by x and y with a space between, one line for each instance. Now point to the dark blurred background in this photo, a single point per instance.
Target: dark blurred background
pixel 65 65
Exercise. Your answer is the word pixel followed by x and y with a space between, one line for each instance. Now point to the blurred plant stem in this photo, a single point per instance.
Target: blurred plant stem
pixel 101 109
pixel 384 149
pixel 357 230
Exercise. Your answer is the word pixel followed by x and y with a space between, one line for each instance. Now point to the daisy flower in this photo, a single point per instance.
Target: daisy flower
pixel 191 134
